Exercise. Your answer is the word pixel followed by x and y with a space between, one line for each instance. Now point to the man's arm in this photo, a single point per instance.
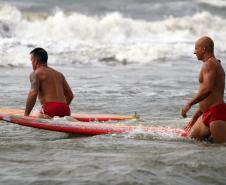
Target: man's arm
pixel 33 93
pixel 209 76
pixel 67 92
pixel 194 118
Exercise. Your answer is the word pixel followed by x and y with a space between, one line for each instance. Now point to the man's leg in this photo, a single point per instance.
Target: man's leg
pixel 199 131
pixel 44 116
pixel 218 131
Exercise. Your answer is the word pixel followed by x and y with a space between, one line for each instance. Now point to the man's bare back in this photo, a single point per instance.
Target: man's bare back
pixel 209 120
pixel 50 86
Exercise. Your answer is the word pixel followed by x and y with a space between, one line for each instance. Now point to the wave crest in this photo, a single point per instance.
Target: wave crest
pixel 113 27
pixel 122 39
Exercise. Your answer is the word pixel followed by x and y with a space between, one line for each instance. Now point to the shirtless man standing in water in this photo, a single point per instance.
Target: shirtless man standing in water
pixel 209 120
pixel 49 86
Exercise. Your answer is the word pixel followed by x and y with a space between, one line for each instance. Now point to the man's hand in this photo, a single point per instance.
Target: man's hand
pixel 185 109
pixel 195 117
pixel 190 124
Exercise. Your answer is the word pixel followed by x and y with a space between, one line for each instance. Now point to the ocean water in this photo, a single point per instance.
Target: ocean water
pixel 119 57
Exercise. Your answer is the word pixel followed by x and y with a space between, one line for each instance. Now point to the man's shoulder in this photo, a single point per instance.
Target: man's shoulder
pixel 38 73
pixel 54 70
pixel 212 64
pixel 33 74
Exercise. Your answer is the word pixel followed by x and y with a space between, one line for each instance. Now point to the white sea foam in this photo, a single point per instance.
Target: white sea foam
pixel 84 38
pixel 217 3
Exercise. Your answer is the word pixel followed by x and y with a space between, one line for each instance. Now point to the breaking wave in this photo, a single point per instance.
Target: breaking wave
pixel 110 37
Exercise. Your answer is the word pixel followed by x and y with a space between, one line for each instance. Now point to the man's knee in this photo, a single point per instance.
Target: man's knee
pixel 199 131
pixel 218 131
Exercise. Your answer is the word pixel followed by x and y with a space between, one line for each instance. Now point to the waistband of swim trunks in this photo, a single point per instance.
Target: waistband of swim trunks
pixel 215 107
pixel 54 103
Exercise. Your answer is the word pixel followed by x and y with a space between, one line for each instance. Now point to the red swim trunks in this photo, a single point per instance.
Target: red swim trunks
pixel 56 109
pixel 217 112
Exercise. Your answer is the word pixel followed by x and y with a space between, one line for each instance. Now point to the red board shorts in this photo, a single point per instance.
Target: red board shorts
pixel 217 112
pixel 55 109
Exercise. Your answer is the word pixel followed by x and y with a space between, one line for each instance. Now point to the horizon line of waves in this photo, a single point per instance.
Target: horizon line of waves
pixel 113 28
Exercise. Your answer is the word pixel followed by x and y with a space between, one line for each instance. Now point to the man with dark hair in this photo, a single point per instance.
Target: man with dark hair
pixel 40 54
pixel 50 86
pixel 209 120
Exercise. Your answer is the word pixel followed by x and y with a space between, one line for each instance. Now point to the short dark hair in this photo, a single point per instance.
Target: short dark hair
pixel 40 54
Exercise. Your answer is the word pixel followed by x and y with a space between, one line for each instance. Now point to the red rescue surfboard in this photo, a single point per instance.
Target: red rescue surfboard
pixel 82 128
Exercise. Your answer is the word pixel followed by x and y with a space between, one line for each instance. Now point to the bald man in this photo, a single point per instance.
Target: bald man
pixel 209 120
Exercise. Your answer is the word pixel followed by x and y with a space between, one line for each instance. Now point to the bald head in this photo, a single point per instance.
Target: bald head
pixel 207 43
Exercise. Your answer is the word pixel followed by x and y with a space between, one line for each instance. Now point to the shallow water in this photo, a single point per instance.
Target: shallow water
pixel 32 156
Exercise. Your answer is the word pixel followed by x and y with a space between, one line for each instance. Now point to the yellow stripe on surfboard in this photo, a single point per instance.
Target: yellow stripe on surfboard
pixel 20 112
